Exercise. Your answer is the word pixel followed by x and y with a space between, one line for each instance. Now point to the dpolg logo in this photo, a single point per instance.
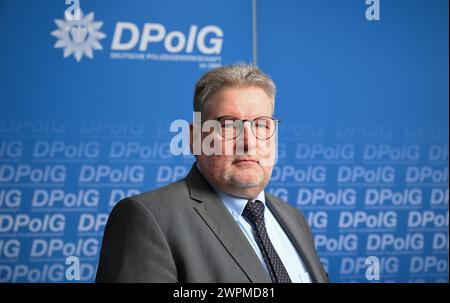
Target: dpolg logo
pixel 79 35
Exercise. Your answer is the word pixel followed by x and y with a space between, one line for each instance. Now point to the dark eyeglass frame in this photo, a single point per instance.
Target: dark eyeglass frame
pixel 252 123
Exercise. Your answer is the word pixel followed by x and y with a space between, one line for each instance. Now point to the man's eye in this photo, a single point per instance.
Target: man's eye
pixel 228 124
pixel 263 124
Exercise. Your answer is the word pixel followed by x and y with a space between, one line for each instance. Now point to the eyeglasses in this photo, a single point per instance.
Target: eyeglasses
pixel 231 127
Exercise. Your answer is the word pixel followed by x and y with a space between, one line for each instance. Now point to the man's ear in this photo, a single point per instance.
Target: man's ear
pixel 195 135
pixel 191 138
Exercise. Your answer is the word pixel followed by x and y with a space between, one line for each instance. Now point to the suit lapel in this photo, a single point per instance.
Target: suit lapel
pixel 214 213
pixel 297 237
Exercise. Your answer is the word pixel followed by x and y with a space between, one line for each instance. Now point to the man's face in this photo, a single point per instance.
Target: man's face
pixel 240 174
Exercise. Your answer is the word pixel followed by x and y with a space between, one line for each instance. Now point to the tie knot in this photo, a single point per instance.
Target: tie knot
pixel 254 211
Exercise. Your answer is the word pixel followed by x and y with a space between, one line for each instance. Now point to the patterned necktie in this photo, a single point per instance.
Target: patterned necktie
pixel 254 213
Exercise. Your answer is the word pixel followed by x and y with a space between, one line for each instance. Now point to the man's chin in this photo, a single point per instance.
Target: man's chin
pixel 242 184
pixel 246 165
pixel 245 181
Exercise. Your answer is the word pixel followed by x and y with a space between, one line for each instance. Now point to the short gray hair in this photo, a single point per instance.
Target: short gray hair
pixel 236 75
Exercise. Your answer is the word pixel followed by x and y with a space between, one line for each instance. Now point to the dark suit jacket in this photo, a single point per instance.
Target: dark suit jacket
pixel 184 233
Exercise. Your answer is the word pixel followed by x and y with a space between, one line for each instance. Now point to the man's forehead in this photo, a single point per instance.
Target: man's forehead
pixel 238 113
pixel 241 103
pixel 241 93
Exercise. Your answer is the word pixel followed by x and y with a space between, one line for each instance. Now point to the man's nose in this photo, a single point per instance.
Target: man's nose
pixel 249 137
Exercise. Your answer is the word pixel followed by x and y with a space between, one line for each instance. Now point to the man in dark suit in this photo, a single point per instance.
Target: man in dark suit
pixel 217 224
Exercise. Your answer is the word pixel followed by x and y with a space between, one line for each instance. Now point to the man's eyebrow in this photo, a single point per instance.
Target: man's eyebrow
pixel 235 116
pixel 229 116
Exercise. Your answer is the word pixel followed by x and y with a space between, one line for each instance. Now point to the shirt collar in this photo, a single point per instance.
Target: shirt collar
pixel 235 204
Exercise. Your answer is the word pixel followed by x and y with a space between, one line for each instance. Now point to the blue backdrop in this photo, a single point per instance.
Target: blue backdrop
pixel 86 108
